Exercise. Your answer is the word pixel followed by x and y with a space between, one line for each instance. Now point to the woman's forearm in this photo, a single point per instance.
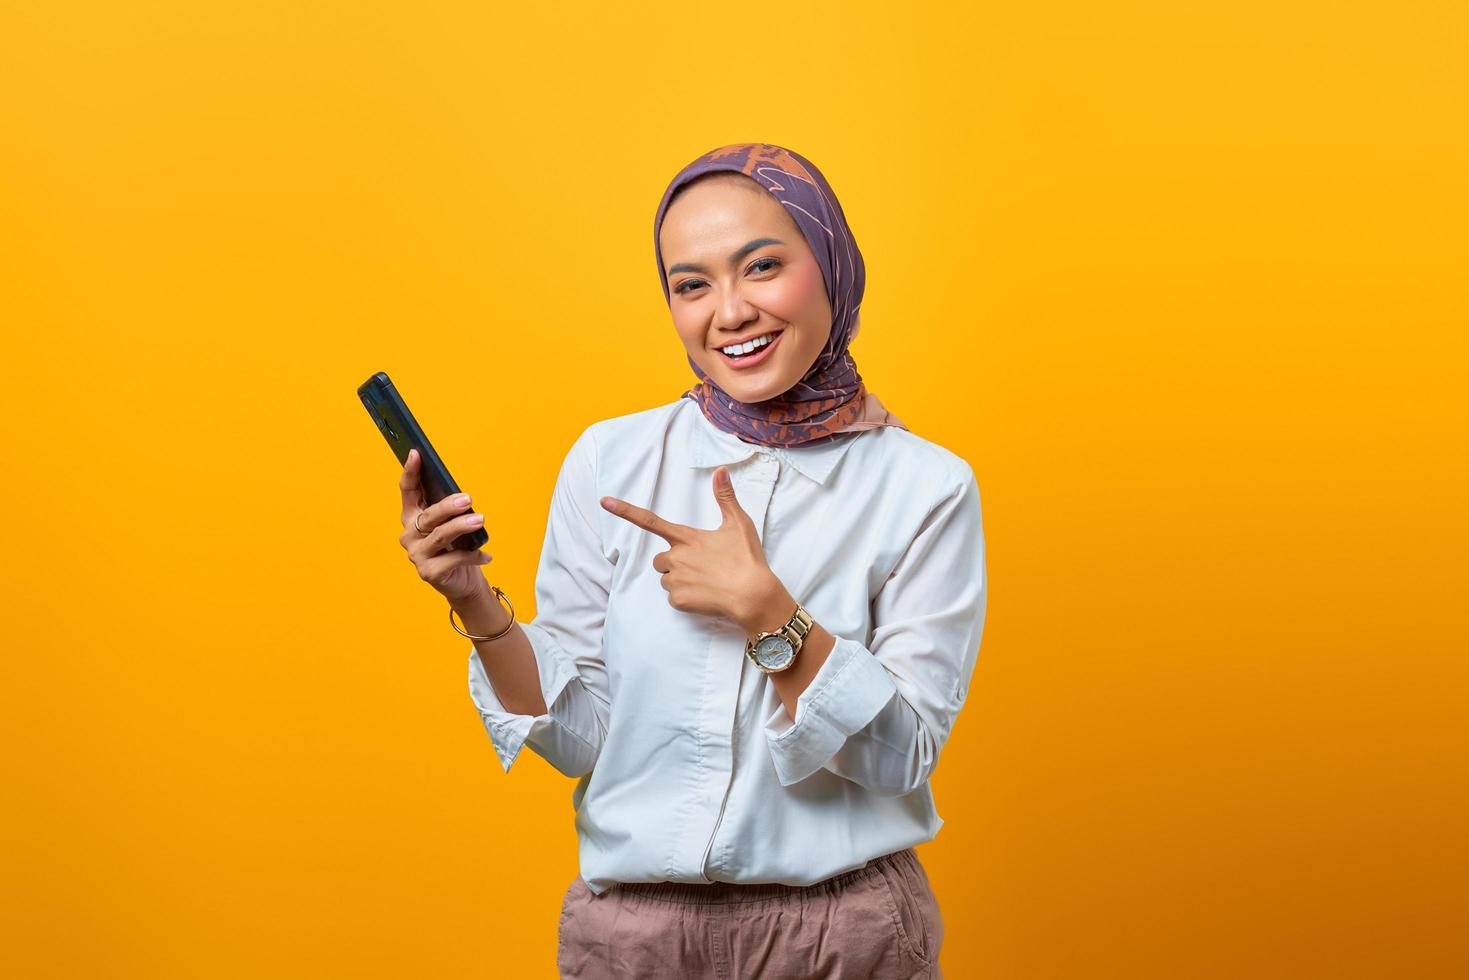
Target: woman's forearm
pixel 772 611
pixel 510 662
pixel 790 683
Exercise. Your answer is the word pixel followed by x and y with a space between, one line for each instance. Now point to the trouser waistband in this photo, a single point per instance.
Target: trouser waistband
pixel 729 892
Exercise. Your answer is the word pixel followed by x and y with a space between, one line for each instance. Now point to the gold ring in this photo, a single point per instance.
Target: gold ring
pixel 415 523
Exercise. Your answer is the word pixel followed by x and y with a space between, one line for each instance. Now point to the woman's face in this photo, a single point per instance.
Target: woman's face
pixel 739 269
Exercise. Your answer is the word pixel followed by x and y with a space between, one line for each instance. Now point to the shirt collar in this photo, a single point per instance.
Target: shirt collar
pixel 712 446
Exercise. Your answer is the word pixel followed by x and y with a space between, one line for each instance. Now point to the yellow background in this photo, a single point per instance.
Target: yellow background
pixel 1184 283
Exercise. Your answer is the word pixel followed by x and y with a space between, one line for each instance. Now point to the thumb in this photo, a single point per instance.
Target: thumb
pixel 724 493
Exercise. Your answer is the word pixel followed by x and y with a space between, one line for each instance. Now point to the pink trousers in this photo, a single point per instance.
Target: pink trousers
pixel 880 921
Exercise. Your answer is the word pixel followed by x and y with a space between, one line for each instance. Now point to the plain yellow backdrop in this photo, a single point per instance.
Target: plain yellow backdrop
pixel 1185 284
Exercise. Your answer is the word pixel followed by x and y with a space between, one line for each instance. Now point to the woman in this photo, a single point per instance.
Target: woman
pixel 759 607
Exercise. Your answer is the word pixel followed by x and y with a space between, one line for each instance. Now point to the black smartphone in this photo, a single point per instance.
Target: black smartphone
pixel 403 433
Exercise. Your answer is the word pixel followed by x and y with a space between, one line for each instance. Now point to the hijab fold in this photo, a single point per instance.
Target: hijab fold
pixel 831 397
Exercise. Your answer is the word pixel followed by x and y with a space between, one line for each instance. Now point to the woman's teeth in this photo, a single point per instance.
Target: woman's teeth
pixel 739 350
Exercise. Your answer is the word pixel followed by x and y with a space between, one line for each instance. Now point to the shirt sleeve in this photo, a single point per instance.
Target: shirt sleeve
pixel 879 714
pixel 572 586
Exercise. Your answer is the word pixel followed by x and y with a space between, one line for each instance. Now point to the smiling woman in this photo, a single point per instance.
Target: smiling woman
pixel 743 276
pixel 758 610
pixel 756 246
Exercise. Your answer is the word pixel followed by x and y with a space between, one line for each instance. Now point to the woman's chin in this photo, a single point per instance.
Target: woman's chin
pixel 749 390
pixel 752 385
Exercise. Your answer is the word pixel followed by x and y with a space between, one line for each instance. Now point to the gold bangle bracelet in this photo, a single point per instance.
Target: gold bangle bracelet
pixel 502 598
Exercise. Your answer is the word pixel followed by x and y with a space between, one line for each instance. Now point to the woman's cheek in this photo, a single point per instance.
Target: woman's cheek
pixel 799 292
pixel 690 333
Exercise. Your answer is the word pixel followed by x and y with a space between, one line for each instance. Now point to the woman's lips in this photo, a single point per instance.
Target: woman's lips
pixel 740 363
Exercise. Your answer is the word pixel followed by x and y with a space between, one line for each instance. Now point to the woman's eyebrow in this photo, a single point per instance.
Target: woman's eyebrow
pixel 734 257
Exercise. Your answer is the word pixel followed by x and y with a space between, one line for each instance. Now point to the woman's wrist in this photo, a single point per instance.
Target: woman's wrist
pixel 482 614
pixel 770 610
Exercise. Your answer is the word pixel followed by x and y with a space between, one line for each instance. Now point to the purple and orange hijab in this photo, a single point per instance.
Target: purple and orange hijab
pixel 831 397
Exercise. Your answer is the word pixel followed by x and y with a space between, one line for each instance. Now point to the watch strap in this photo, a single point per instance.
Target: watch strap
pixel 798 627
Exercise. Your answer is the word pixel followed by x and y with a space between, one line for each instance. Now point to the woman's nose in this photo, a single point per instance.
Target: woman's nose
pixel 733 311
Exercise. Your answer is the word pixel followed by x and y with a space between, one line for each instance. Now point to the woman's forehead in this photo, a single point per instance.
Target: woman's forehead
pixel 711 216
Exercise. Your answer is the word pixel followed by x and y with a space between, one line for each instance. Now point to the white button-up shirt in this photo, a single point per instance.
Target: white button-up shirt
pixel 690 769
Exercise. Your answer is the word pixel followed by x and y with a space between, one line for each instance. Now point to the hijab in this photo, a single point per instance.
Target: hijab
pixel 831 397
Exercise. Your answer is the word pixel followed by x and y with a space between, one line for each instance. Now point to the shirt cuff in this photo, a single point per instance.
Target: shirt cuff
pixel 509 731
pixel 845 695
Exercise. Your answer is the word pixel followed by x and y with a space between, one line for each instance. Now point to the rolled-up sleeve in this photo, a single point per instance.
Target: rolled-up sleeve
pixel 572 585
pixel 878 714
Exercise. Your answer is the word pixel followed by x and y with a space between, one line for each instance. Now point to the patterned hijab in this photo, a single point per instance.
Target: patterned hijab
pixel 831 397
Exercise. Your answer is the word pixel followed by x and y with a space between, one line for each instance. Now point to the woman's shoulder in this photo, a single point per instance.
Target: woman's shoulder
pixel 895 449
pixel 634 427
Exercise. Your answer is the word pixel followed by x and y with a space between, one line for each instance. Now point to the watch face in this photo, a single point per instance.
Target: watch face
pixel 774 652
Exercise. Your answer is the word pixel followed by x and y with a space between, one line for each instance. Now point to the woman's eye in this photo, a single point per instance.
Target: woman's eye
pixel 764 264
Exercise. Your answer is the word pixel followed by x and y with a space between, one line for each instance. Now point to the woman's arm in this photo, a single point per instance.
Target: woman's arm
pixel 770 614
pixel 544 684
pixel 510 661
pixel 878 714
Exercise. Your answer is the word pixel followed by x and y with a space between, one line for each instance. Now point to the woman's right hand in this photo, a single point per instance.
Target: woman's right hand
pixel 454 573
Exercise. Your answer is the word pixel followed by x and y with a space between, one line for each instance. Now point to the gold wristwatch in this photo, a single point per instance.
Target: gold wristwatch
pixel 774 652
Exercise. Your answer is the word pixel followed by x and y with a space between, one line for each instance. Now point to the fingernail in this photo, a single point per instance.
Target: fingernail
pixel 609 504
pixel 476 519
pixel 724 478
pixel 462 500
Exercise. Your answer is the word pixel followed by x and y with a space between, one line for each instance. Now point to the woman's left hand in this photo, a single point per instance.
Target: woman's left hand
pixel 722 572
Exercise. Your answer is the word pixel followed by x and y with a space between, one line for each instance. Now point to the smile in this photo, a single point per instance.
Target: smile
pixel 763 346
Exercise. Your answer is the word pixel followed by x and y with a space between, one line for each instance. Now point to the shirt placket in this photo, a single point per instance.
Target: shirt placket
pixel 754 486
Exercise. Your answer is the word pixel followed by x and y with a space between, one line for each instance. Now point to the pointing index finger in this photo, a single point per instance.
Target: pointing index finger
pixel 647 520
